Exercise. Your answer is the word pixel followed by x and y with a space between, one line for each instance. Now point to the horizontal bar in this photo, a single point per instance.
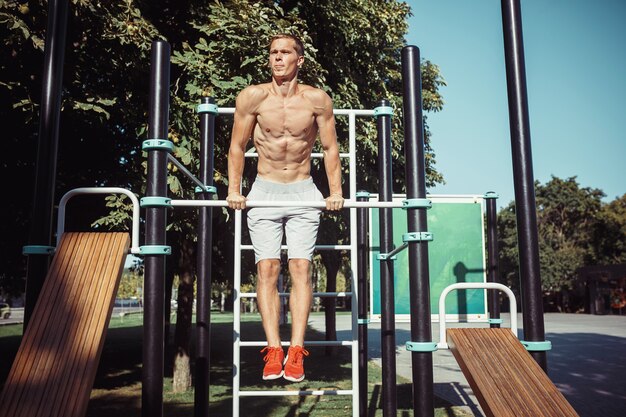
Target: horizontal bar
pixel 315 294
pixel 336 112
pixel 289 393
pixel 314 204
pixel 318 247
pixel 313 155
pixel 306 343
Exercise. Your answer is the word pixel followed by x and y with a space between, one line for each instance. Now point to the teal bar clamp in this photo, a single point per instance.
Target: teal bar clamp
pixel 38 250
pixel 365 194
pixel 490 194
pixel 155 250
pixel 415 203
pixel 385 257
pixel 383 111
pixel 363 321
pixel 495 321
pixel 207 108
pixel 417 236
pixel 207 189
pixel 157 144
pixel 156 202
pixel 537 346
pixel 421 346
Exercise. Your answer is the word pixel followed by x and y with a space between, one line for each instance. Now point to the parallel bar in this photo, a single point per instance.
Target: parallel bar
pixel 388 326
pixel 336 112
pixel 419 280
pixel 315 294
pixel 313 155
pixel 307 343
pixel 318 247
pixel 47 146
pixel 294 393
pixel 203 267
pixel 154 287
pixel 523 178
pixel 316 204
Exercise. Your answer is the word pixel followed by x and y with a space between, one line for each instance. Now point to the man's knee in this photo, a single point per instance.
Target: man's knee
pixel 300 269
pixel 268 270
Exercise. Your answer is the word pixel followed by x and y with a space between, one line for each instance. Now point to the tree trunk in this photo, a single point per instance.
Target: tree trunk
pixel 331 261
pixel 182 367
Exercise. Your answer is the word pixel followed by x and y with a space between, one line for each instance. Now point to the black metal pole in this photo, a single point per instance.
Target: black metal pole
pixel 154 285
pixel 422 371
pixel 205 237
pixel 49 118
pixel 525 206
pixel 493 297
pixel 362 220
pixel 388 311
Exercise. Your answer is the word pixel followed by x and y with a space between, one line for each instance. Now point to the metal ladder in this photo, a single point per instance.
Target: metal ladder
pixel 238 295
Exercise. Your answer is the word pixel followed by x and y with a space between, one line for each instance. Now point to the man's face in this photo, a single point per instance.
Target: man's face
pixel 284 59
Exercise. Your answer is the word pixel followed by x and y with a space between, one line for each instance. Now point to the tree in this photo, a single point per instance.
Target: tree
pixel 568 217
pixel 609 237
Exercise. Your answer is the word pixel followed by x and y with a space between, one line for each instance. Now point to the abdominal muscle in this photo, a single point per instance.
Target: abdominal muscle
pixel 284 159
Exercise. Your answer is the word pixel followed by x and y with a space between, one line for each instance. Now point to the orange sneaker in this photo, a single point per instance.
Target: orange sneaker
pixel 294 363
pixel 273 362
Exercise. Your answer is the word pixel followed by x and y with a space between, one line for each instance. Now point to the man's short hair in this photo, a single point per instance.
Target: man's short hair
pixel 294 38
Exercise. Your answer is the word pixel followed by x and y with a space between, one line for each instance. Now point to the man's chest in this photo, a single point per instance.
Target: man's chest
pixel 295 116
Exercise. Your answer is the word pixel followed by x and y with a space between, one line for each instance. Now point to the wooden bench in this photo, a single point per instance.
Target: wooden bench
pixel 55 366
pixel 504 377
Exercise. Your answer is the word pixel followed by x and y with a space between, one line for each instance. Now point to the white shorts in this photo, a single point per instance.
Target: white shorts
pixel 300 224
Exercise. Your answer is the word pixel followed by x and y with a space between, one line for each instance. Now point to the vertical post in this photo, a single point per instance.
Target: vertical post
pixel 362 262
pixel 154 280
pixel 525 207
pixel 419 280
pixel 49 117
pixel 493 297
pixel 207 110
pixel 388 312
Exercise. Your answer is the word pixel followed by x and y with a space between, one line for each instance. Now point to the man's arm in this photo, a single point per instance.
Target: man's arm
pixel 328 136
pixel 243 125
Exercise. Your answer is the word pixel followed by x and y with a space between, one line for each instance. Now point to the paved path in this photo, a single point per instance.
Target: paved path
pixel 587 362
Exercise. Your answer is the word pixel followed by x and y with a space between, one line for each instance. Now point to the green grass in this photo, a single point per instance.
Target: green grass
pixel 117 388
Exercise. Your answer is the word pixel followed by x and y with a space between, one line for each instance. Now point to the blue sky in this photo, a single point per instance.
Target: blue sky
pixel 575 54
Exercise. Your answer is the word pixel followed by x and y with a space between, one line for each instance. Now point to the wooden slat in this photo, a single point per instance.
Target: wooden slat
pixel 504 377
pixel 56 363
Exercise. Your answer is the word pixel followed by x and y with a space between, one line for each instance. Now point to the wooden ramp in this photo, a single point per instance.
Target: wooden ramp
pixel 56 363
pixel 504 377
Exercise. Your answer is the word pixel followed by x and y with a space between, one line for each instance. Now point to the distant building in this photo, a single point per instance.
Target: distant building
pixel 604 288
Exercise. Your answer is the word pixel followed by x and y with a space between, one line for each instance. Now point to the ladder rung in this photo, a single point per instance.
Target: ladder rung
pixel 318 247
pixel 315 294
pixel 286 393
pixel 307 343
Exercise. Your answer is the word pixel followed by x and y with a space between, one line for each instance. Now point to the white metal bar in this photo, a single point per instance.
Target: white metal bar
pixel 353 263
pixel 350 203
pixel 318 247
pixel 313 155
pixel 443 344
pixel 306 343
pixel 336 112
pixel 237 315
pixel 315 294
pixel 101 190
pixel 295 393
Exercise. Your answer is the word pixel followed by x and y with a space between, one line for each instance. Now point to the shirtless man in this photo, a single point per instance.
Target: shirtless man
pixel 284 118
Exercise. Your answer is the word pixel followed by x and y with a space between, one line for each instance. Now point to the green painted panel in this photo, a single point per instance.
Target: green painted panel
pixel 456 254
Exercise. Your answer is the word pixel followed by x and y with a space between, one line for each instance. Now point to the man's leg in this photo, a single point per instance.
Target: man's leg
pixel 268 299
pixel 269 306
pixel 300 298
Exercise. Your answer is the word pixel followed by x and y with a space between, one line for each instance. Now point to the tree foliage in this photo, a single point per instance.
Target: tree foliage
pixel 575 229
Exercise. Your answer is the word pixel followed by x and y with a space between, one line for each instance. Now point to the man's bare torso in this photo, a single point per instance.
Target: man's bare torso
pixel 285 132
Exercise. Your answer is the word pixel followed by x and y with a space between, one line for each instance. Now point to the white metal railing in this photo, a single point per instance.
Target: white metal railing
pixel 101 190
pixel 443 344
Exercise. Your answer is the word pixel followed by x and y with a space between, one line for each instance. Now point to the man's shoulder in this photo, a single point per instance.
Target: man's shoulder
pixel 316 95
pixel 250 97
